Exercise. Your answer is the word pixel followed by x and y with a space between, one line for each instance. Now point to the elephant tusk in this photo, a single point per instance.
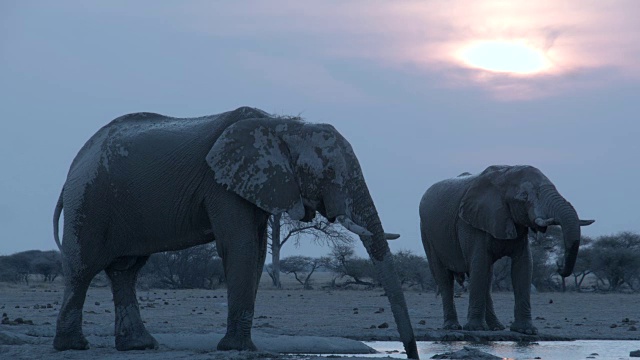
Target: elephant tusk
pixel 353 227
pixel 391 236
pixel 545 222
pixel 586 222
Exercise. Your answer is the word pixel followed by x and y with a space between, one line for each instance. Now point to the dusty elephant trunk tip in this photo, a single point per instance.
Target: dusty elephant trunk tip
pixel 571 255
pixel 353 227
pixel 391 236
pixel 545 222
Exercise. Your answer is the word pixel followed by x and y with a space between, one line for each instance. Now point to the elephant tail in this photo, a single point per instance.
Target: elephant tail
pixel 56 221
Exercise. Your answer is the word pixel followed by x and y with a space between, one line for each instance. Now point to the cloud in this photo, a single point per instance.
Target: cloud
pixel 576 36
pixel 310 79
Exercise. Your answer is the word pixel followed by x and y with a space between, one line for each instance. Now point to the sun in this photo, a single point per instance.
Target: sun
pixel 513 57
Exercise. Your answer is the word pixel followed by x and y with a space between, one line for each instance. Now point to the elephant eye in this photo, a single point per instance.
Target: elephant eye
pixel 524 196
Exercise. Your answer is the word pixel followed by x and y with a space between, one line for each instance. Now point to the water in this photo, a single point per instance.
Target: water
pixel 565 350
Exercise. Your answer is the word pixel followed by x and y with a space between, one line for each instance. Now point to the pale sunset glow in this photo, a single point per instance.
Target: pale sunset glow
pixel 504 57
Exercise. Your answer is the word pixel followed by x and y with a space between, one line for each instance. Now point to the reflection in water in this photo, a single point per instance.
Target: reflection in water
pixel 566 350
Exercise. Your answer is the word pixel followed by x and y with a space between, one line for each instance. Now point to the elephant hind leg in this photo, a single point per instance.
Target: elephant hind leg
pixel 69 334
pixel 130 332
pixel 77 277
pixel 444 279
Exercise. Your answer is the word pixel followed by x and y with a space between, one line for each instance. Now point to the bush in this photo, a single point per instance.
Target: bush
pixel 344 264
pixel 302 267
pixel 413 270
pixel 616 260
pixel 20 266
pixel 197 267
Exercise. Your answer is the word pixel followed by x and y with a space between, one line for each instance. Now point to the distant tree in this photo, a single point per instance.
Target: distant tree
pixel 7 271
pixel 343 263
pixel 413 270
pixel 283 229
pixel 20 264
pixel 194 267
pixel 302 267
pixel 48 264
pixel 616 260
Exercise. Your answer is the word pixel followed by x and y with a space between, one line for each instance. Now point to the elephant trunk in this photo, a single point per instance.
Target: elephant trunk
pixel 565 216
pixel 365 214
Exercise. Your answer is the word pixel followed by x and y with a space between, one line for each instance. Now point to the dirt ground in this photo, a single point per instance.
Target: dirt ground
pixel 354 314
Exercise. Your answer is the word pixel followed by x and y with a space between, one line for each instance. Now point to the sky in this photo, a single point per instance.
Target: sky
pixel 423 90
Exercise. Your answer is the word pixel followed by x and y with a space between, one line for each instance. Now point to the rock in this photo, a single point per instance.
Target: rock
pixel 466 353
pixel 633 328
pixel 97 303
pixel 613 326
pixel 380 310
pixel 10 339
pixel 635 353
pixel 384 325
pixel 422 322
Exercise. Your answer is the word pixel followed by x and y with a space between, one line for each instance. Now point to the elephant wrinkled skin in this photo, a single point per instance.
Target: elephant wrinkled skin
pixel 147 183
pixel 469 222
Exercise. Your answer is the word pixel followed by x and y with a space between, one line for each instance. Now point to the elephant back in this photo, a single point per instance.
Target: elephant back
pixel 440 204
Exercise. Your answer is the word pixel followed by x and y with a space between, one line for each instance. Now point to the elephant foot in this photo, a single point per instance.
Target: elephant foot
pixel 70 342
pixel 236 343
pixel 475 325
pixel 524 327
pixel 143 342
pixel 495 325
pixel 451 325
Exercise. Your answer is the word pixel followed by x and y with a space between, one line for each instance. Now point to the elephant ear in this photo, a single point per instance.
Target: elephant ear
pixel 252 161
pixel 484 207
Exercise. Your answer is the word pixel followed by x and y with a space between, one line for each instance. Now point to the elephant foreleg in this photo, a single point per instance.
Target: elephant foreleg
pixel 131 333
pixel 478 289
pixel 241 269
pixel 521 272
pixel 490 314
pixel 240 231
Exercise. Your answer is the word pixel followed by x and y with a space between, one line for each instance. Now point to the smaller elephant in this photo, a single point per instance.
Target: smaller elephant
pixel 469 222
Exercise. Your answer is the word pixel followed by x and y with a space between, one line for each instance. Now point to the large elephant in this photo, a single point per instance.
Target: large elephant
pixel 469 222
pixel 147 183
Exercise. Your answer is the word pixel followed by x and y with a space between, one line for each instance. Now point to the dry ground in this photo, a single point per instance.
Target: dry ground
pixel 355 314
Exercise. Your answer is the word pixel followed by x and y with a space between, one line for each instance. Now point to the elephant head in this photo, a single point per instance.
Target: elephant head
pixel 506 200
pixel 287 165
